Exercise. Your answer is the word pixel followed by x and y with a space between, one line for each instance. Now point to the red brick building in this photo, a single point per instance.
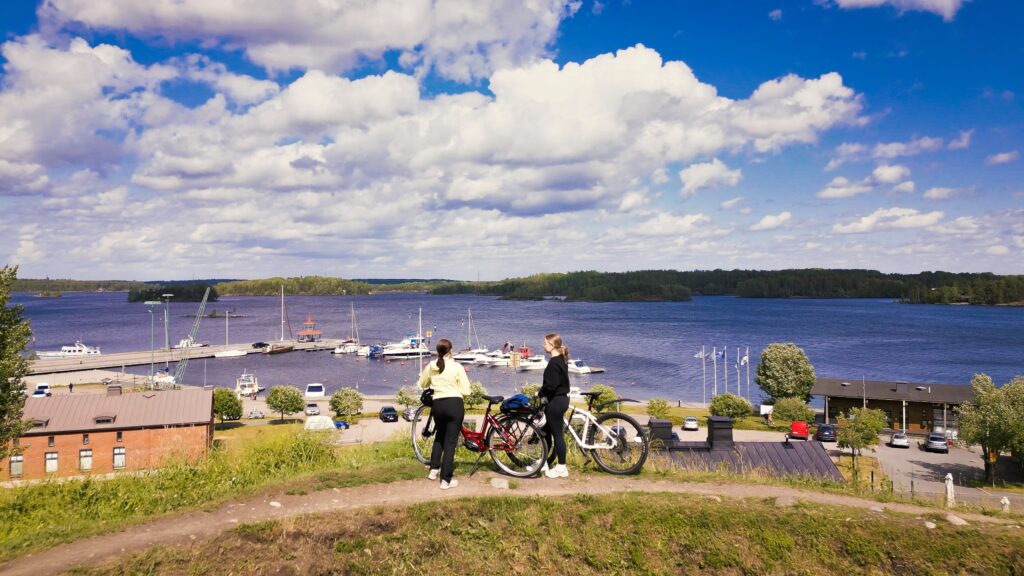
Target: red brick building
pixel 80 434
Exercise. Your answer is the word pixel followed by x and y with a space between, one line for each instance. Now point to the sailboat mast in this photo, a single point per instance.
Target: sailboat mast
pixel 226 340
pixel 469 329
pixel 282 312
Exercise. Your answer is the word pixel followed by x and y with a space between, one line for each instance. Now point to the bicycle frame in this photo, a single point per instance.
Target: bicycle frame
pixel 475 441
pixel 589 422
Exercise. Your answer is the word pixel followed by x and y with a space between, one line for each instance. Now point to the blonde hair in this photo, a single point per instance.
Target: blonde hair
pixel 555 339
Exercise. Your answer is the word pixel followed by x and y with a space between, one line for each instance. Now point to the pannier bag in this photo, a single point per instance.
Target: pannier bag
pixel 516 403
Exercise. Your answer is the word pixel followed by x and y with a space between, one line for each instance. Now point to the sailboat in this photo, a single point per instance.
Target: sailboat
pixel 228 353
pixel 469 355
pixel 281 346
pixel 351 345
pixel 413 346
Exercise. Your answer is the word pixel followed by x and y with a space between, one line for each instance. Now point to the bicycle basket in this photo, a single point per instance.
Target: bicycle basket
pixel 516 403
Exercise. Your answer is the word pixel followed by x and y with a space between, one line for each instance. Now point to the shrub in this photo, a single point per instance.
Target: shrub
pixel 657 408
pixel 476 395
pixel 730 405
pixel 607 395
pixel 792 409
pixel 408 396
pixel 346 402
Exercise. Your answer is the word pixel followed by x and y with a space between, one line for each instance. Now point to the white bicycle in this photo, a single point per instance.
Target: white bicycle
pixel 614 440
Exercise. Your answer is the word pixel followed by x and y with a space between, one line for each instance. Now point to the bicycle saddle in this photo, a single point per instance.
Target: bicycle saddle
pixel 590 394
pixel 494 399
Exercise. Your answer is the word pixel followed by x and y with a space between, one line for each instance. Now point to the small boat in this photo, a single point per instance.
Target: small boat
pixel 410 347
pixel 348 346
pixel 351 344
pixel 578 366
pixel 189 343
pixel 278 348
pixel 314 390
pixel 247 385
pixel 77 349
pixel 469 355
pixel 535 362
pixel 230 354
pixel 163 376
pixel 494 358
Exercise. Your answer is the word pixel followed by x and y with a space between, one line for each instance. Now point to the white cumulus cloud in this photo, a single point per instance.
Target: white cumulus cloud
pixel 884 218
pixel 911 148
pixel 963 141
pixel 708 175
pixel 890 174
pixel 841 187
pixel 941 193
pixel 945 8
pixel 771 221
pixel 1002 158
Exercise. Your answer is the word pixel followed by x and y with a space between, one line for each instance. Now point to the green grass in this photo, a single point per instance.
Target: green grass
pixel 630 533
pixel 41 515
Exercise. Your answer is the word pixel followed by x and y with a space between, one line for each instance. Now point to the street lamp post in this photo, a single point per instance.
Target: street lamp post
pixel 151 303
pixel 167 313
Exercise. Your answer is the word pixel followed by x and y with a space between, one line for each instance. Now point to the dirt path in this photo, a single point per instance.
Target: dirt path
pixel 181 529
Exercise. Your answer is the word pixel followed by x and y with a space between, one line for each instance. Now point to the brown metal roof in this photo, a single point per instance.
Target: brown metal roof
pixel 773 458
pixel 78 412
pixel 877 390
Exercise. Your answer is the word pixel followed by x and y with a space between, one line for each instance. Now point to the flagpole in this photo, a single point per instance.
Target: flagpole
pixel 714 360
pixel 739 390
pixel 725 368
pixel 704 370
pixel 747 356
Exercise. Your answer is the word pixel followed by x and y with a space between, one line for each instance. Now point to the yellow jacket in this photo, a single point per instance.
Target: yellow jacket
pixel 452 383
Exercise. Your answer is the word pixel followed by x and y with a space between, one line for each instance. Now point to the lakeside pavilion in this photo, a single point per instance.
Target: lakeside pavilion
pixel 914 408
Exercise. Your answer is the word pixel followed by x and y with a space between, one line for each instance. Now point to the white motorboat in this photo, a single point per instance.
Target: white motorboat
pixel 77 349
pixel 247 385
pixel 494 358
pixel 578 366
pixel 535 362
pixel 229 353
pixel 348 346
pixel 469 355
pixel 189 343
pixel 351 344
pixel 314 390
pixel 409 347
pixel 163 376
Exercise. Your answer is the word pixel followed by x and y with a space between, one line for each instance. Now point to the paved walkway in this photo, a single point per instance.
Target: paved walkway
pixel 184 528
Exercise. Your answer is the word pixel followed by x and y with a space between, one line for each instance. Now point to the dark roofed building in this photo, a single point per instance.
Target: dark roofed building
pixel 916 408
pixel 75 434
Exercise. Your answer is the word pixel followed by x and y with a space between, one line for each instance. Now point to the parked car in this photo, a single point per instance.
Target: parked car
pixel 42 390
pixel 899 440
pixel 255 414
pixel 936 443
pixel 409 413
pixel 229 417
pixel 312 409
pixel 799 429
pixel 825 433
pixel 341 424
pixel 260 345
pixel 388 414
pixel 690 423
pixel 314 390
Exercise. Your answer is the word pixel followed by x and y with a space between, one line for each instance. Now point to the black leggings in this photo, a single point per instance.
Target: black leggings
pixel 448 414
pixel 555 427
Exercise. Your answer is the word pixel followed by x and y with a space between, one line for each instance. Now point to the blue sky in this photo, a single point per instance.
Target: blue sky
pixel 464 139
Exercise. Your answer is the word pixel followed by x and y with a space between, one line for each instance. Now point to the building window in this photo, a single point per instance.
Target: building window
pixel 49 441
pixel 85 460
pixel 17 466
pixel 120 436
pixel 119 457
pixel 85 439
pixel 51 462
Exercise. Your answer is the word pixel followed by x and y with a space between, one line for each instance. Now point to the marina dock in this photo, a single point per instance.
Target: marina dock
pixel 121 359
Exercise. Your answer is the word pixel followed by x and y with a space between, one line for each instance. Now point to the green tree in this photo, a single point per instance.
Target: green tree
pixel 607 395
pixel 407 396
pixel 792 409
pixel 785 372
pixel 14 336
pixel 285 400
pixel 346 402
pixel 990 420
pixel 226 404
pixel 730 405
pixel 476 395
pixel 657 408
pixel 859 429
pixel 531 389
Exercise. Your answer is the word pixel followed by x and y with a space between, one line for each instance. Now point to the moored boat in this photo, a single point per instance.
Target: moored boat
pixel 247 385
pixel 77 349
pixel 229 354
pixel 278 348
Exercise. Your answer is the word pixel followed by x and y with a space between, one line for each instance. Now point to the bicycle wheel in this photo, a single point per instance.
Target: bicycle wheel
pixel 516 446
pixel 623 444
pixel 423 434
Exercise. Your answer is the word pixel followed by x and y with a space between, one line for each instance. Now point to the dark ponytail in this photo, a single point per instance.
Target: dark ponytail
pixel 444 346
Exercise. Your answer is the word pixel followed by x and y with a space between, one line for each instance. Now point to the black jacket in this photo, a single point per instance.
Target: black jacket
pixel 556 378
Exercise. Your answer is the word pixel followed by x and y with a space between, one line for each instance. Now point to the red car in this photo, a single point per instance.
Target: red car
pixel 799 430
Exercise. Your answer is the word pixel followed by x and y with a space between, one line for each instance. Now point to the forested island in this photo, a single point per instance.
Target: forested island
pixel 303 286
pixel 181 292
pixel 65 285
pixel 924 288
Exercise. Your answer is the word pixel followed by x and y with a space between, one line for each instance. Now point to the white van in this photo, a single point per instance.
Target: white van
pixel 42 390
pixel 315 390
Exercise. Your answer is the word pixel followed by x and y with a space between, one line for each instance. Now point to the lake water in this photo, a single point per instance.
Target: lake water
pixel 647 348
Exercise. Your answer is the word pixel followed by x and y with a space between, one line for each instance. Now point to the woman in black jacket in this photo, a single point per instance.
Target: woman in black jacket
pixel 555 390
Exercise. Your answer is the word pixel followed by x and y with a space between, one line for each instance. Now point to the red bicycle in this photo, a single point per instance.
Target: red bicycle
pixel 514 442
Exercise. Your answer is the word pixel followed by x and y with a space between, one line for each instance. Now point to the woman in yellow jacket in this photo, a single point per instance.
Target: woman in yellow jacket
pixel 450 383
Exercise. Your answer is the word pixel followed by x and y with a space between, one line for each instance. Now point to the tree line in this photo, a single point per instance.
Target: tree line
pixel 922 288
pixel 182 293
pixel 65 285
pixel 302 286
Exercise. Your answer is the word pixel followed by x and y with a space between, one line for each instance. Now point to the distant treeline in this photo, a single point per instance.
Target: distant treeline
pixel 304 286
pixel 923 288
pixel 61 285
pixel 182 293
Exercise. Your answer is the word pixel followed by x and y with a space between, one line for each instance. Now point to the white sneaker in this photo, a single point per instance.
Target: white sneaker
pixel 544 468
pixel 559 471
pixel 433 473
pixel 447 485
